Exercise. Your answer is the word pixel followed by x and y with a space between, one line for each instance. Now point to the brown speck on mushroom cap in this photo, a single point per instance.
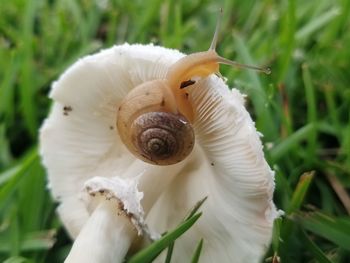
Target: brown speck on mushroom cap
pixel 66 110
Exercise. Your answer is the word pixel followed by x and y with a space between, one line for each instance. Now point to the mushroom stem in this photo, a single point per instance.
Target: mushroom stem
pixel 105 237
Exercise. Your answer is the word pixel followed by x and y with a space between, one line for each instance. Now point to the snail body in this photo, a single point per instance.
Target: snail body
pixel 155 119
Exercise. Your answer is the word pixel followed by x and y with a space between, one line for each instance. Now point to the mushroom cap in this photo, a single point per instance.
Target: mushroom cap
pixel 79 141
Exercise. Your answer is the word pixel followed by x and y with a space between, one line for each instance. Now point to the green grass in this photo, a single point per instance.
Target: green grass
pixel 302 108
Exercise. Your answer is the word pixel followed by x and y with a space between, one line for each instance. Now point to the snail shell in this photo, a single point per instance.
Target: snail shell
pixel 162 137
pixel 151 126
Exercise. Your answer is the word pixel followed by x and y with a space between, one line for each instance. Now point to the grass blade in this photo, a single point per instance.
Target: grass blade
pixel 10 178
pixel 310 95
pixel 17 260
pixel 300 192
pixel 286 145
pixel 317 23
pixel 191 214
pixel 257 92
pixel 169 252
pixel 148 254
pixel 34 241
pixel 196 208
pixel 314 249
pixel 197 253
pixel 27 78
pixel 333 228
pixel 276 234
pixel 287 39
pixel 296 202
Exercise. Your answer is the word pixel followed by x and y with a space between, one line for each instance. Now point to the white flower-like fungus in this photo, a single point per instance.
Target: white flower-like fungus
pixel 107 196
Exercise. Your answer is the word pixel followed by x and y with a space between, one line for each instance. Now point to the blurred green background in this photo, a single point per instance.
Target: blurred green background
pixel 302 108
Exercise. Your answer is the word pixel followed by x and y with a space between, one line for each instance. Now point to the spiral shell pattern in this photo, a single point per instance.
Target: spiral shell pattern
pixel 162 138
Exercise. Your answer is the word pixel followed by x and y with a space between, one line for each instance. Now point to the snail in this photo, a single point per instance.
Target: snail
pixel 155 119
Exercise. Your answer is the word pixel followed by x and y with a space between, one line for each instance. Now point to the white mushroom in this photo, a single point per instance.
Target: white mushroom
pixel 108 196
